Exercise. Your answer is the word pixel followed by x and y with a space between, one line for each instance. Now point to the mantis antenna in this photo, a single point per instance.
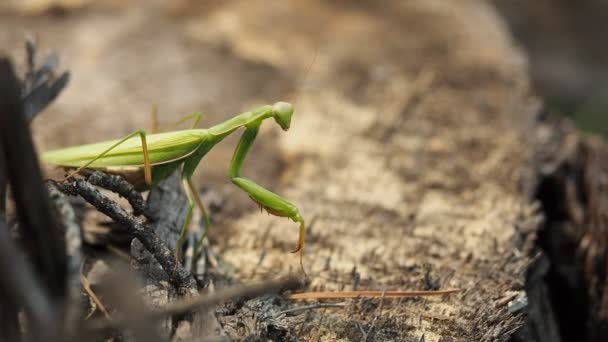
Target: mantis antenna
pixel 305 77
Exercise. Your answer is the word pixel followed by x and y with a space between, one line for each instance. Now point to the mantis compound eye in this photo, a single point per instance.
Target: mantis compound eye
pixel 282 112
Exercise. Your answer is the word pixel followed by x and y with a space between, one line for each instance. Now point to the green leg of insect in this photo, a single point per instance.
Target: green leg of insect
pixel 155 128
pixel 193 198
pixel 270 201
pixel 191 193
pixel 196 117
pixel 147 167
pixel 182 232
pixel 201 207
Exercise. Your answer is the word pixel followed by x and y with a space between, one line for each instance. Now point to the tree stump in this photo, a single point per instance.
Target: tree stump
pixel 415 152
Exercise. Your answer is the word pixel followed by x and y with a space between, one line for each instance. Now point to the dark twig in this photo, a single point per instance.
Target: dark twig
pixel 41 233
pixel 10 329
pixel 38 90
pixel 73 244
pixel 41 85
pixel 19 283
pixel 2 186
pixel 179 277
pixel 9 314
pixel 120 186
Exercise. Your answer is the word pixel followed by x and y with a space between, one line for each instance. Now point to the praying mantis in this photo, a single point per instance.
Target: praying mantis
pixel 159 155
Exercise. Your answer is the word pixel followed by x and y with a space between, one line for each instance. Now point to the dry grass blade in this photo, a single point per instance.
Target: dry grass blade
pixel 369 294
pixel 122 292
pixel 247 291
pixel 86 285
pixel 293 311
pixel 203 301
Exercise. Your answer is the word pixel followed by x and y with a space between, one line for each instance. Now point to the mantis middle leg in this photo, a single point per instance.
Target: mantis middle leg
pixel 193 198
pixel 273 203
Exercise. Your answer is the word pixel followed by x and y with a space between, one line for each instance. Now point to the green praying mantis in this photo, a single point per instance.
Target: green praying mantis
pixel 160 154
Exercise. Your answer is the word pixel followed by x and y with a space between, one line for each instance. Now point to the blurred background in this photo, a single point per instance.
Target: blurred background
pixel 564 42
pixel 561 38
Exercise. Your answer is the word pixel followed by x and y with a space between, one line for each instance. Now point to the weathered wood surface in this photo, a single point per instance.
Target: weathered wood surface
pixel 406 152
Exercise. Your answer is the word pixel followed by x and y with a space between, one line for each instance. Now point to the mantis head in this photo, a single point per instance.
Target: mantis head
pixel 282 112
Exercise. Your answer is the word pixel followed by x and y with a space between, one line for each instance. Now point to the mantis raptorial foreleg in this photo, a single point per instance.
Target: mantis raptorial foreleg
pixel 144 146
pixel 273 203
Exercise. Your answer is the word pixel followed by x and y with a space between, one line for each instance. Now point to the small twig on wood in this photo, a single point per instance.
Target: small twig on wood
pixel 120 186
pixel 86 285
pixel 292 311
pixel 179 277
pixel 369 294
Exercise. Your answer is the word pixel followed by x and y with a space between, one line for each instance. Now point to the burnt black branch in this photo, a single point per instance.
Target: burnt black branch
pixel 179 277
pixel 20 286
pixel 39 87
pixel 120 186
pixel 41 84
pixel 42 235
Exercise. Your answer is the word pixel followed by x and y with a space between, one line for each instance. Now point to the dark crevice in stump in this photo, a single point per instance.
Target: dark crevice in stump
pixel 567 285
pixel 565 277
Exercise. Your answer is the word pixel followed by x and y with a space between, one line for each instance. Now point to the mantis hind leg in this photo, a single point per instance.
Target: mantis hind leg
pixel 199 203
pixel 182 232
pixel 144 146
pixel 154 126
pixel 193 199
